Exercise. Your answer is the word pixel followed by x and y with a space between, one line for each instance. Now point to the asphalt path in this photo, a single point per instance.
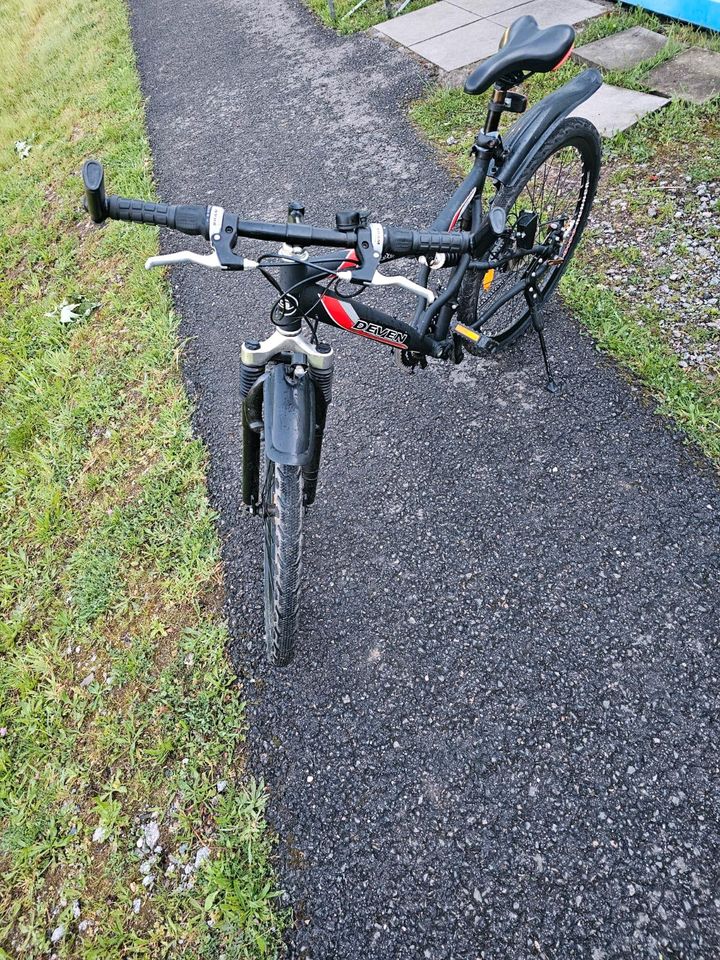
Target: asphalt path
pixel 499 736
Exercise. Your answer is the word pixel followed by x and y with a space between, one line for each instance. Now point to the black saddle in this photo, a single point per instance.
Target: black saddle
pixel 524 49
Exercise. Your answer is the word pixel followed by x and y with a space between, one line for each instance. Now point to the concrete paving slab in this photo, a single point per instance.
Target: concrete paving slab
pixel 548 13
pixel 621 51
pixel 438 18
pixel 487 8
pixel 693 75
pixel 612 109
pixel 467 44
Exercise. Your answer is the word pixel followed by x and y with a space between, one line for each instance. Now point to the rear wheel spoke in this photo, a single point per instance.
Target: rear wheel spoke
pixel 558 189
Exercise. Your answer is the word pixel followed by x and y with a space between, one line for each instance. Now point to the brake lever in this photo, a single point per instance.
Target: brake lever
pixel 370 242
pixel 210 260
pixel 381 280
pixel 222 233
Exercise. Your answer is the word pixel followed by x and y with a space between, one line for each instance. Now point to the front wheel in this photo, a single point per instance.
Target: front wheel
pixel 282 521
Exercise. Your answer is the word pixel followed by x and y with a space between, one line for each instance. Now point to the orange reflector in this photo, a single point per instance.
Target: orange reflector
pixel 488 279
pixel 564 59
pixel 466 332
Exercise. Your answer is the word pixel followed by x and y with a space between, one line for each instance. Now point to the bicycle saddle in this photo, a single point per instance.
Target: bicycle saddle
pixel 524 49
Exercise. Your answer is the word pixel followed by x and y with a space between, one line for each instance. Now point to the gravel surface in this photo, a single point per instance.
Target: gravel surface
pixel 658 230
pixel 499 738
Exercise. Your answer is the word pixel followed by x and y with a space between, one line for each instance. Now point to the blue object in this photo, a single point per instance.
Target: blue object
pixel 703 13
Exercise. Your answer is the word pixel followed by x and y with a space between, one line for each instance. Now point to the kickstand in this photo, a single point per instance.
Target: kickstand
pixel 552 386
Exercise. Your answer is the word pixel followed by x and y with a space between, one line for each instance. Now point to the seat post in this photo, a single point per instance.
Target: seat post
pixel 493 116
pixel 503 100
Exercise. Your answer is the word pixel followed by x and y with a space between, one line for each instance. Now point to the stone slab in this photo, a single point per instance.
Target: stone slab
pixel 488 8
pixel 472 42
pixel 438 18
pixel 612 109
pixel 621 51
pixel 693 75
pixel 548 13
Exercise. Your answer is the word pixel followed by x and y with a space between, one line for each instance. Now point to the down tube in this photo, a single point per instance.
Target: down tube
pixel 364 321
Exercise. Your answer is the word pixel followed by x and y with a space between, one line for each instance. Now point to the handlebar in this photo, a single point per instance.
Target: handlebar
pixel 194 219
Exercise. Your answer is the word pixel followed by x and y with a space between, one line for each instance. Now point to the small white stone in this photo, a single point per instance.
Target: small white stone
pixel 201 856
pixel 57 934
pixel 151 834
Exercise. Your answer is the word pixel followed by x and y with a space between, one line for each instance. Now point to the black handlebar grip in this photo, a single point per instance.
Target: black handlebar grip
pixel 414 242
pixel 188 218
pixel 94 180
pixel 192 218
pixel 445 242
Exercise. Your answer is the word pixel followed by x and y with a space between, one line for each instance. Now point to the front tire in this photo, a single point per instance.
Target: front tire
pixel 282 522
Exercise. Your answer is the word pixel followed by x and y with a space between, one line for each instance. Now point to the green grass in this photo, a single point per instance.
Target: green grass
pixel 689 400
pixel 372 12
pixel 680 140
pixel 117 703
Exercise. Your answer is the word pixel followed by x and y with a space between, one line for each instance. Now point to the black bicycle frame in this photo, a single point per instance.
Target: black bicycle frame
pixel 290 410
pixel 427 334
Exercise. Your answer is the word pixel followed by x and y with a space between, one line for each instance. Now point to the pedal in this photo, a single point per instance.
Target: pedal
pixel 477 344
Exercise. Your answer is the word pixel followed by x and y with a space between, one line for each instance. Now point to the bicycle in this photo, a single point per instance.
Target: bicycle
pixel 487 265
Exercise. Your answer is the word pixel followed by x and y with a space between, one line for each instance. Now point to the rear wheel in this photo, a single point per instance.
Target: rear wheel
pixel 557 186
pixel 282 521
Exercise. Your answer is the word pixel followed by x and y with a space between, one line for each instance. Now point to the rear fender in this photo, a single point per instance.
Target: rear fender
pixel 528 135
pixel 289 416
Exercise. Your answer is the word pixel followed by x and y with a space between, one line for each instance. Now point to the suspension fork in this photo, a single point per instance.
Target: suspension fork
pixel 252 379
pixel 289 348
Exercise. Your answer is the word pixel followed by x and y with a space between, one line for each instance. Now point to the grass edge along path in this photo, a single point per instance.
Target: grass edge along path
pixel 371 13
pixel 450 119
pixel 128 826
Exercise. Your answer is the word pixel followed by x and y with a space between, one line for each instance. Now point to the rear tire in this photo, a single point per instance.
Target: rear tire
pixel 559 181
pixel 282 523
